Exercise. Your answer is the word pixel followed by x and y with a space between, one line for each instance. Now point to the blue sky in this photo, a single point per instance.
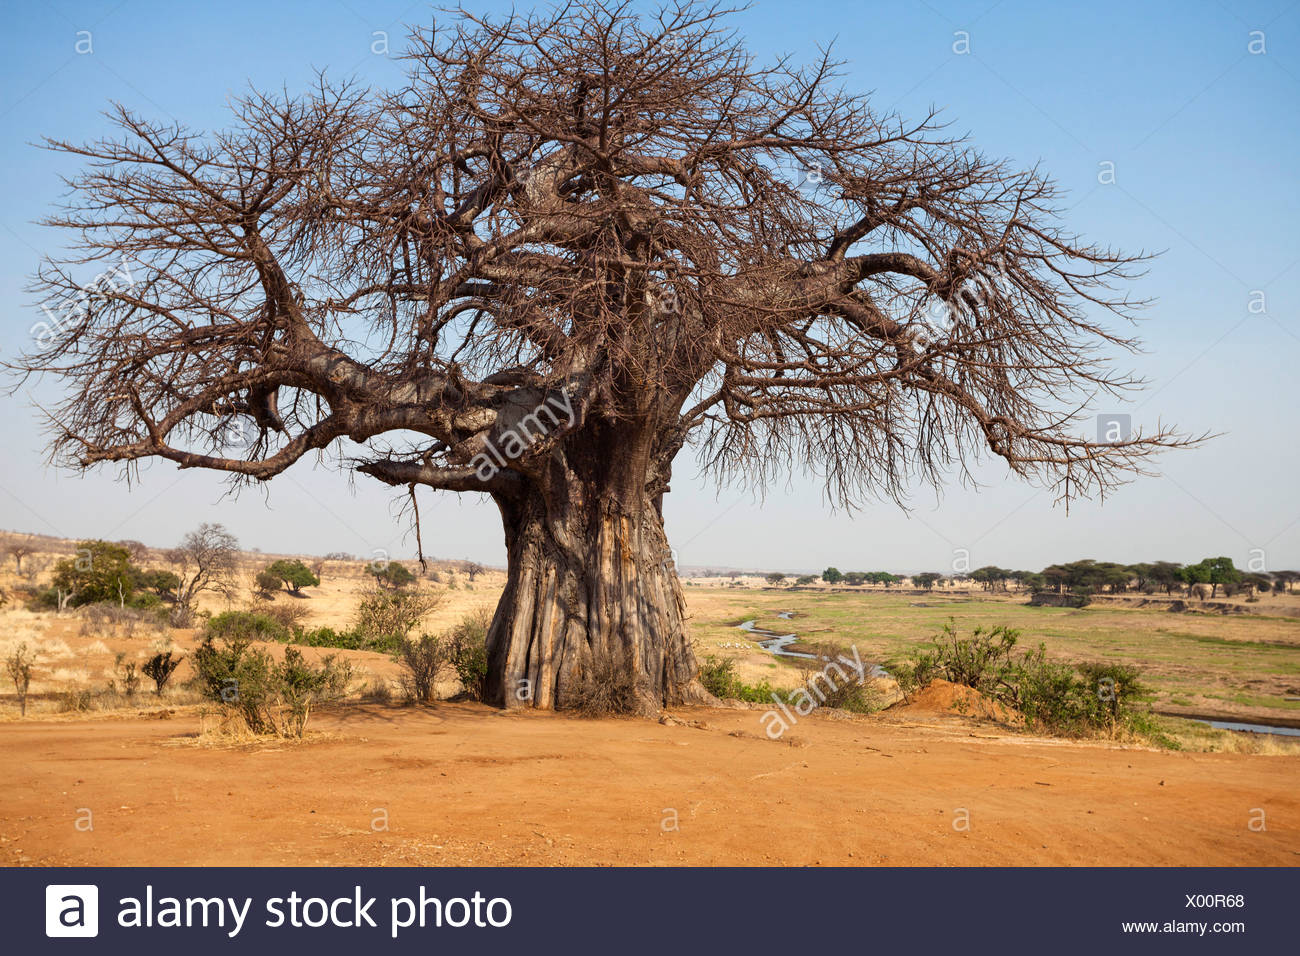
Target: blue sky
pixel 1202 132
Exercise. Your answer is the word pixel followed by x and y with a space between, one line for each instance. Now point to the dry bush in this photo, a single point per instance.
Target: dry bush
pixel 385 617
pixel 76 700
pixel 126 676
pixel 422 661
pixel 107 618
pixel 159 669
pixel 19 666
pixel 605 688
pixel 291 615
pixel 833 679
pixel 377 691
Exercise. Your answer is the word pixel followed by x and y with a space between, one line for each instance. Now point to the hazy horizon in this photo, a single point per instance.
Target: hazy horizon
pixel 1138 88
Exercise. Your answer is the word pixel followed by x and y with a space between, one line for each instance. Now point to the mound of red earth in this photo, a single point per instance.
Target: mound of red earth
pixel 945 697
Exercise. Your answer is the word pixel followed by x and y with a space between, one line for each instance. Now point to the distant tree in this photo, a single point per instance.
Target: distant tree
pixel 1286 579
pixel 1165 574
pixel 1033 581
pixel 1088 576
pixel 1141 575
pixel 392 574
pixel 1256 582
pixel 855 578
pixel 474 569
pixel 1113 577
pixel 991 577
pixel 34 566
pixel 1056 577
pixel 18 552
pixel 294 574
pixel 926 580
pixel 137 551
pixel 775 578
pixel 832 576
pixel 1216 572
pixel 266 583
pixel 1194 574
pixel 806 579
pixel 162 582
pixel 100 571
pixel 207 558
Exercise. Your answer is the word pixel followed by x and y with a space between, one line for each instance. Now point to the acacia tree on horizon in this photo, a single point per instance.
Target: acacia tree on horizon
pixel 621 215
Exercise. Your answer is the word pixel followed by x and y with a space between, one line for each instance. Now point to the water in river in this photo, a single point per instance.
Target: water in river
pixel 779 643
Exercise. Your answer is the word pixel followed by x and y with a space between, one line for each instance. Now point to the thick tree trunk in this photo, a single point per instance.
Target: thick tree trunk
pixel 592 596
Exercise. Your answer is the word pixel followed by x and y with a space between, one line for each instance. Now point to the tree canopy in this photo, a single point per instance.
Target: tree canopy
pixel 294 574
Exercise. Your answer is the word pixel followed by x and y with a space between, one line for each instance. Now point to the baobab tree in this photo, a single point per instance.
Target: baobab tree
pixel 571 244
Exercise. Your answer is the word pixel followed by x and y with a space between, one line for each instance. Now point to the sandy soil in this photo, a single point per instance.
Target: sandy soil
pixel 464 784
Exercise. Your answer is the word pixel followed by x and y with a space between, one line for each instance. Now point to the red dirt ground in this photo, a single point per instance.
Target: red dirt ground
pixel 464 784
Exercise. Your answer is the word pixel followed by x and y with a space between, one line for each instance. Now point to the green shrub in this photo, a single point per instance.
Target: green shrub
pixel 467 652
pixel 348 640
pixel 270 698
pixel 328 637
pixel 248 626
pixel 983 661
pixel 1055 697
pixel 299 685
pixel 719 677
pixel 291 615
pixel 1114 688
pixel 238 677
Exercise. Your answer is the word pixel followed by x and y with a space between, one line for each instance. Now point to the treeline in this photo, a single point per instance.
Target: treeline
pixel 1084 577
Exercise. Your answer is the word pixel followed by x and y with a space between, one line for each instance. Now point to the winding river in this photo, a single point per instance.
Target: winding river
pixel 779 644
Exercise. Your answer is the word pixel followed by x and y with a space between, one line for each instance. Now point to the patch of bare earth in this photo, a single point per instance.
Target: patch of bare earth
pixel 463 784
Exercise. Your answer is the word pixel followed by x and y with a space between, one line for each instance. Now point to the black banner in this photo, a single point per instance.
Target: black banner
pixel 661 911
